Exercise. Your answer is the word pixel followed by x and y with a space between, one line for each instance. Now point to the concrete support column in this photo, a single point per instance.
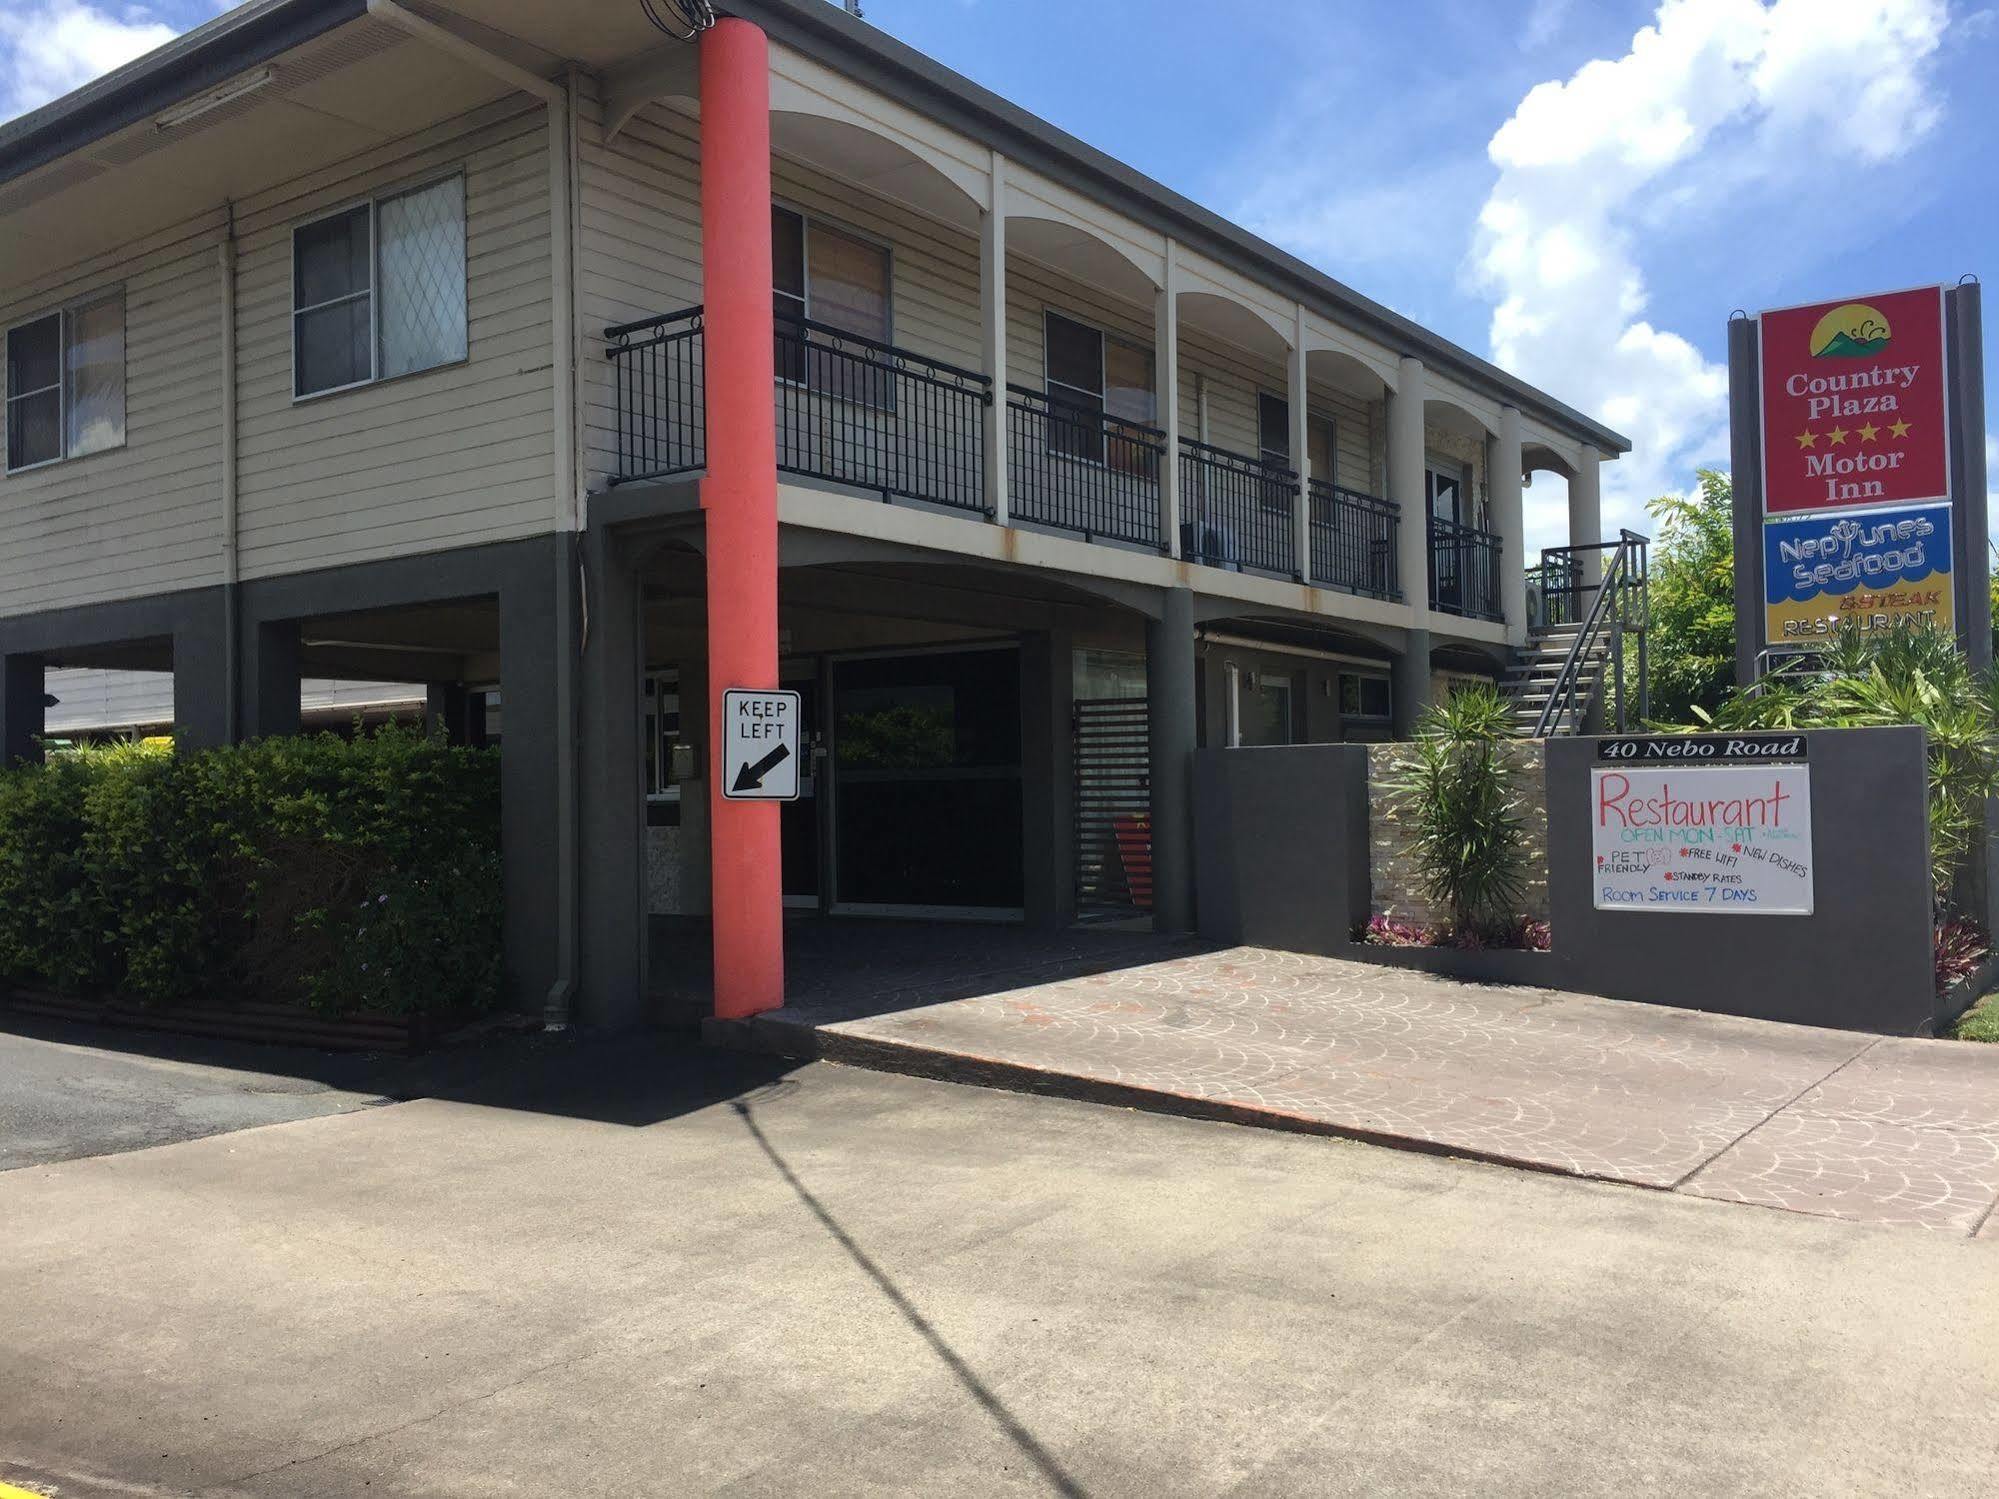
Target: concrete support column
pixel 992 300
pixel 201 681
pixel 611 989
pixel 1166 368
pixel 23 709
pixel 529 821
pixel 1169 692
pixel 1409 681
pixel 1509 519
pixel 739 498
pixel 1048 801
pixel 1406 489
pixel 1586 512
pixel 271 679
pixel 1301 449
pixel 445 710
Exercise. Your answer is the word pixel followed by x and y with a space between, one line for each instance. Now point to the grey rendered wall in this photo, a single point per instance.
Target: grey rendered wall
pixel 1861 961
pixel 1280 845
pixel 1281 838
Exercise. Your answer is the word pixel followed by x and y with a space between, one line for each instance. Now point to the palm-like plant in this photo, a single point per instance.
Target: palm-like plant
pixel 1452 791
pixel 1912 674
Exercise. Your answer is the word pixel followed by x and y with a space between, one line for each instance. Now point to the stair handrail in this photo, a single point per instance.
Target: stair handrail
pixel 1615 580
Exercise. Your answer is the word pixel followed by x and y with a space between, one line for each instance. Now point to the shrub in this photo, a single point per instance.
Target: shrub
pixel 1912 674
pixel 159 877
pixel 1453 792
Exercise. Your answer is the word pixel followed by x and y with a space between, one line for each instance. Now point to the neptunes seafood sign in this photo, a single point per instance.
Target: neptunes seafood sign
pixel 1866 568
pixel 1854 403
pixel 1732 839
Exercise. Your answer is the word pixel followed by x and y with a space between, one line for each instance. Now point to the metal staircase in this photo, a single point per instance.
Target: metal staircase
pixel 1576 656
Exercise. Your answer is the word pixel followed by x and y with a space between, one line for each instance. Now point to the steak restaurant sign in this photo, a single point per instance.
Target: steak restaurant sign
pixel 1854 403
pixel 1708 838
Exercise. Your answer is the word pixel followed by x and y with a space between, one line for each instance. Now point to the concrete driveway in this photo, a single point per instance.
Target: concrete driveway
pixel 643 1270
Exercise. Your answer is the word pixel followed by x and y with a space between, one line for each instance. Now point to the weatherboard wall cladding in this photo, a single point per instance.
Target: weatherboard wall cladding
pixel 443 458
pixel 146 517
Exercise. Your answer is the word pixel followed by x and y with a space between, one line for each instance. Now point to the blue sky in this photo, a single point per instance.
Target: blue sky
pixel 1581 189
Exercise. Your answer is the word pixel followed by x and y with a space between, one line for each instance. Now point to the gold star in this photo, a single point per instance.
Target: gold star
pixel 1898 429
pixel 1808 439
pixel 1868 432
pixel 1837 436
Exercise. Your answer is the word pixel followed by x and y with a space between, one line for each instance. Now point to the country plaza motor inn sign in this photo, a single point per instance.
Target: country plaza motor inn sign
pixel 1856 465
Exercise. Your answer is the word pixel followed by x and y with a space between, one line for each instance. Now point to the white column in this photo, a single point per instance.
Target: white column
pixel 1586 512
pixel 1509 519
pixel 1301 456
pixel 1166 367
pixel 1405 483
pixel 992 296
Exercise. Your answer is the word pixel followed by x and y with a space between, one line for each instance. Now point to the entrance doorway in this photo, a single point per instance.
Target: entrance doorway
pixel 926 810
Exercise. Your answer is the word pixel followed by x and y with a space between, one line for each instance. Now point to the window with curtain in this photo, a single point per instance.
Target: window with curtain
pixel 1089 376
pixel 66 383
pixel 378 290
pixel 837 280
pixel 1273 425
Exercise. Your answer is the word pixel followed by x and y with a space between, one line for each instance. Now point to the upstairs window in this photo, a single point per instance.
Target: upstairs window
pixel 1273 424
pixel 1093 376
pixel 66 383
pixel 831 278
pixel 378 290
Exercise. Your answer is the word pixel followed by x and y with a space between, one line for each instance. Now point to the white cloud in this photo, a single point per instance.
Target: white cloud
pixel 49 48
pixel 1713 92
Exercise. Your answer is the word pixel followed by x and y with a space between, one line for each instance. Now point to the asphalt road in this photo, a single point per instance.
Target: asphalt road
pixel 64 1096
pixel 643 1270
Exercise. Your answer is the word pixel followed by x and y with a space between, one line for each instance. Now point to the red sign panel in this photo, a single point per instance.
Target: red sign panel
pixel 1854 404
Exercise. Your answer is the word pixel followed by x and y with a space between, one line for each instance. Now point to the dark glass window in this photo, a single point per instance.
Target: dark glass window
pixel 34 392
pixel 332 292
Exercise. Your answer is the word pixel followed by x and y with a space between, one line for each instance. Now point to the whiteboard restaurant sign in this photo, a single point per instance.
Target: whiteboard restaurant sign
pixel 1708 838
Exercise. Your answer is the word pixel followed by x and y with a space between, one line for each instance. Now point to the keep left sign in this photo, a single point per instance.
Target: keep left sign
pixel 760 745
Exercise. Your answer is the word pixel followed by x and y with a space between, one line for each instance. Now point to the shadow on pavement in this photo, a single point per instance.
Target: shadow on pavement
pixel 636 1080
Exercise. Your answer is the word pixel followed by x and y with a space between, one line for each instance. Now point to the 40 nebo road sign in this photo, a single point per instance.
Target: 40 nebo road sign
pixel 760 746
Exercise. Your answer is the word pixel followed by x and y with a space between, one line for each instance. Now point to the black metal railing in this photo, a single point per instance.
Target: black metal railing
pixel 866 413
pixel 1610 607
pixel 1081 470
pixel 660 371
pixel 1236 511
pixel 1353 541
pixel 1464 570
pixel 848 408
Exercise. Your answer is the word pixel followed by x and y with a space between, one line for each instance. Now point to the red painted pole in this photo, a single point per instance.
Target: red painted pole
pixel 740 498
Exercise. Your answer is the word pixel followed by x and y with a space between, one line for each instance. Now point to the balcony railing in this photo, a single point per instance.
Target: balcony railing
pixel 1082 470
pixel 880 418
pixel 1353 541
pixel 848 409
pixel 1236 511
pixel 1464 570
pixel 660 375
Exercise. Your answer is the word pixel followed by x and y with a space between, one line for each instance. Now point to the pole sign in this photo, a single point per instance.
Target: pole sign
pixel 1735 839
pixel 1855 404
pixel 760 745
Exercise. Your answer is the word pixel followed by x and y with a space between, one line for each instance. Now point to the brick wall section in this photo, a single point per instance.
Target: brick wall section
pixel 1398 886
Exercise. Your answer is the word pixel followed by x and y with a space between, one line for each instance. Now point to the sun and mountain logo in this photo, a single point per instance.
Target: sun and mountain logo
pixel 1851 331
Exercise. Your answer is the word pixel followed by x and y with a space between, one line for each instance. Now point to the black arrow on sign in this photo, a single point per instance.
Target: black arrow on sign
pixel 751 777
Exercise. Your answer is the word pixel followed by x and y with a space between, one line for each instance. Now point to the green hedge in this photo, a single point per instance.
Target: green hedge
pixel 353 875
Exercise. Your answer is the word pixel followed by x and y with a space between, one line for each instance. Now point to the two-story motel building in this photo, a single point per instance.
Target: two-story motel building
pixel 363 340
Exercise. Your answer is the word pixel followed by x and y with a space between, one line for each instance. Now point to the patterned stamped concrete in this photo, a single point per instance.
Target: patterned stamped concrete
pixel 1828 1122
